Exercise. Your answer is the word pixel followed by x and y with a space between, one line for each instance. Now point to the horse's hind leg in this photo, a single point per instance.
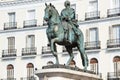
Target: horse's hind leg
pixel 83 56
pixel 53 49
pixel 69 49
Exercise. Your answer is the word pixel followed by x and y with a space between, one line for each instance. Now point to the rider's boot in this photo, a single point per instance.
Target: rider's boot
pixel 70 38
pixel 70 41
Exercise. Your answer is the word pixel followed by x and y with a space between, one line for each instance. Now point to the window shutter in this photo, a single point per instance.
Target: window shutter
pixel 97 34
pixel 87 35
pixel 32 41
pixel 119 66
pixel 110 32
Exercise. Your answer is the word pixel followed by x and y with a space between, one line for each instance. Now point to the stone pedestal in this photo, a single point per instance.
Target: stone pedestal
pixel 65 73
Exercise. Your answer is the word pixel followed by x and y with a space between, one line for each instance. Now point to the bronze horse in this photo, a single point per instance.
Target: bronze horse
pixel 56 34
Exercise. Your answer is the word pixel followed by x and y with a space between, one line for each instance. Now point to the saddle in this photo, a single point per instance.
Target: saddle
pixel 68 31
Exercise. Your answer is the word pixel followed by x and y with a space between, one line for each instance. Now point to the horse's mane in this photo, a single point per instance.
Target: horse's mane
pixel 54 9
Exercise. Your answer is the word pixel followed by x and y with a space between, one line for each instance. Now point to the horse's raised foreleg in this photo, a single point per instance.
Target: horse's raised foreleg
pixel 53 49
pixel 69 49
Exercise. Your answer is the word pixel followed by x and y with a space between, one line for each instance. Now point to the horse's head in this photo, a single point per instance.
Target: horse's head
pixel 49 11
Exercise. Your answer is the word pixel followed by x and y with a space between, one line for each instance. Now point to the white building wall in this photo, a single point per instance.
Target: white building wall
pixel 104 57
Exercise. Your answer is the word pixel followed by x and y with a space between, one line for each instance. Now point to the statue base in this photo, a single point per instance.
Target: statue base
pixel 62 72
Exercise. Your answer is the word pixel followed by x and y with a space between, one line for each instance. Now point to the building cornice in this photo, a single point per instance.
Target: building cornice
pixel 23 29
pixel 105 19
pixel 22 2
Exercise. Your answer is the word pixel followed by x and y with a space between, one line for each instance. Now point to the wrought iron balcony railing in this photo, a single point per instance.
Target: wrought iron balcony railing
pixel 92 45
pixel 9 53
pixel 46 50
pixel 92 15
pixel 29 51
pixel 9 79
pixel 44 23
pixel 113 12
pixel 30 23
pixel 113 43
pixel 113 75
pixel 74 49
pixel 28 78
pixel 10 25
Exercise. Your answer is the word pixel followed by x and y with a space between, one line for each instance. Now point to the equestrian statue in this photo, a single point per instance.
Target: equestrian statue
pixel 63 30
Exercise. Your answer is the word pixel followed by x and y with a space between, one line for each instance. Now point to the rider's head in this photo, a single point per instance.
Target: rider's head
pixel 67 3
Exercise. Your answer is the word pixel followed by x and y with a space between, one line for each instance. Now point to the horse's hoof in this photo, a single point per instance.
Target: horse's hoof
pixel 85 69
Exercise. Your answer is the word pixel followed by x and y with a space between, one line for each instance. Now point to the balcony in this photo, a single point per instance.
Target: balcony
pixel 92 15
pixel 114 76
pixel 9 53
pixel 30 23
pixel 29 51
pixel 28 78
pixel 92 45
pixel 10 25
pixel 113 43
pixel 44 23
pixel 46 50
pixel 74 49
pixel 113 12
pixel 9 79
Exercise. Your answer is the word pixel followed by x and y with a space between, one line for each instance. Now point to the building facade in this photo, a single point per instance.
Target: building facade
pixel 24 45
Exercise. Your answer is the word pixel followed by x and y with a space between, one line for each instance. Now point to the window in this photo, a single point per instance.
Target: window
pixel 11 17
pixel 92 39
pixel 31 15
pixel 30 70
pixel 11 22
pixel 10 71
pixel 94 65
pixel 116 32
pixel 116 61
pixel 92 34
pixel 93 5
pixel 30 41
pixel 74 7
pixel 11 44
pixel 115 3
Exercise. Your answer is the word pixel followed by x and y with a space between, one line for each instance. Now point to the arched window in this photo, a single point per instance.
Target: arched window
pixel 10 71
pixel 30 70
pixel 50 63
pixel 94 65
pixel 72 63
pixel 116 61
